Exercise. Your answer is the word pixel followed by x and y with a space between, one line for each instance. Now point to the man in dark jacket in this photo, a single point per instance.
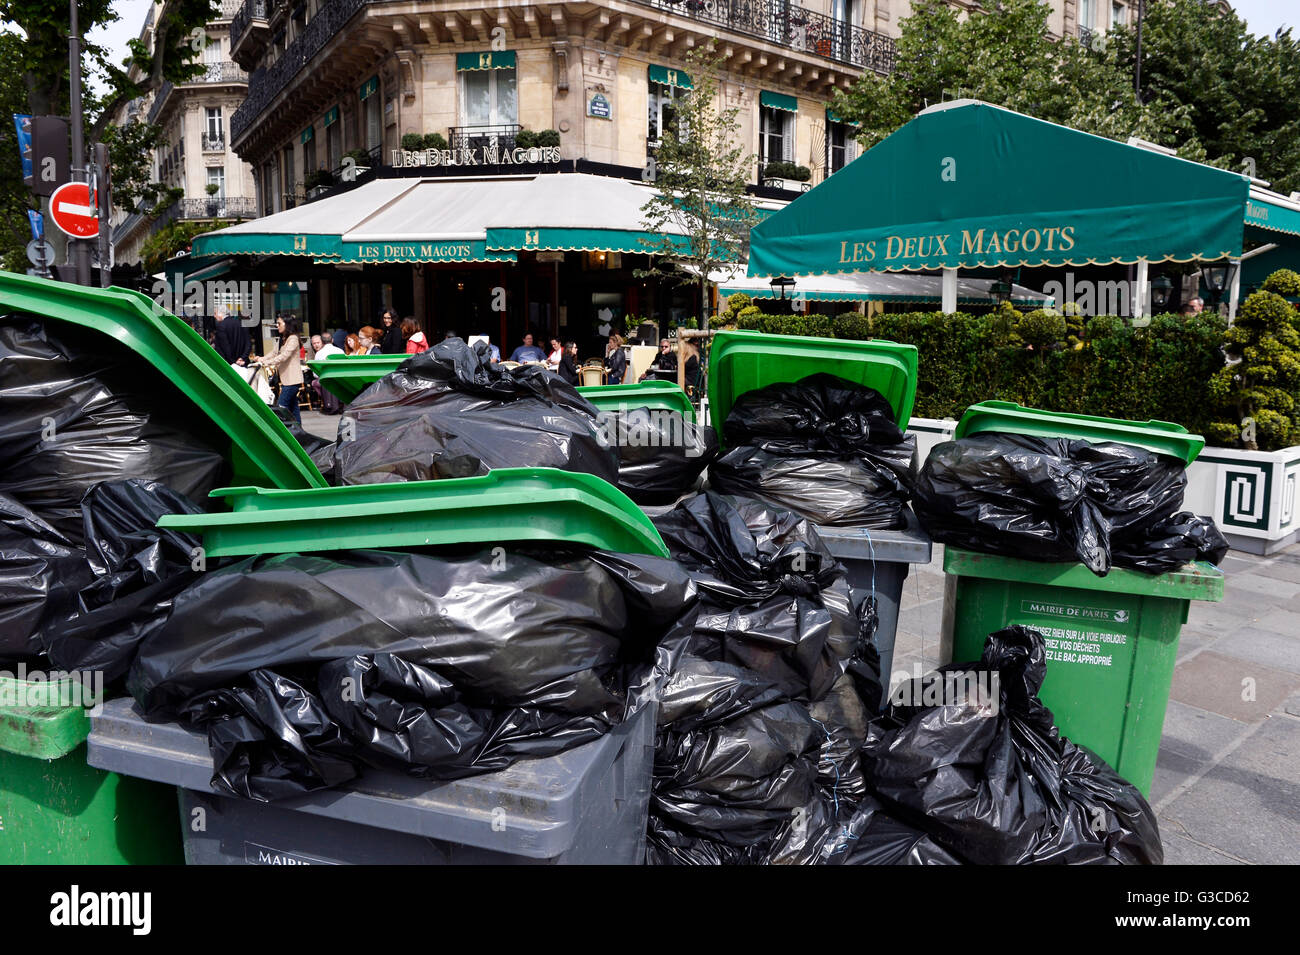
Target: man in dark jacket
pixel 231 339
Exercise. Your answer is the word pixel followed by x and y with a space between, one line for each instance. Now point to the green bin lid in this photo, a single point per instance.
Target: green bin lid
pixel 1198 581
pixel 346 376
pixel 744 361
pixel 508 504
pixel 262 449
pixel 658 395
pixel 1162 437
pixel 50 723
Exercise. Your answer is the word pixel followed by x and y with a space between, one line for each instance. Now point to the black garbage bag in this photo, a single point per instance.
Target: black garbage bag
pixel 660 454
pixel 772 598
pixel 449 412
pixel 861 490
pixel 843 719
pixel 138 569
pixel 78 408
pixel 1048 499
pixel 823 447
pixel 452 665
pixel 320 450
pixel 823 833
pixel 1183 538
pixel 40 573
pixel 821 412
pixel 989 778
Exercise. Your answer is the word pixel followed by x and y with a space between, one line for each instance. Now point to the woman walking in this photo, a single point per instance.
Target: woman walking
pixel 288 363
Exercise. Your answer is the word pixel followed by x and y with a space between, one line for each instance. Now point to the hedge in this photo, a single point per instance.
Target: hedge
pixel 1112 369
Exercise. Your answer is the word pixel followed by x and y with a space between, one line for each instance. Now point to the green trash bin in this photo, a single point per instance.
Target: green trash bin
pixel 55 809
pixel 1111 641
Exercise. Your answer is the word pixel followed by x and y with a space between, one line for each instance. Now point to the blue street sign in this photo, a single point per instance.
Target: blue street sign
pixel 23 126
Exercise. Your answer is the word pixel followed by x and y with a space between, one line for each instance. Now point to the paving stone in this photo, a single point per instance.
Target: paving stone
pixel 1212 681
pixel 1179 850
pixel 921 586
pixel 1217 619
pixel 1266 647
pixel 1172 770
pixel 1283 620
pixel 1192 640
pixel 1197 734
pixel 1283 568
pixel 1292 705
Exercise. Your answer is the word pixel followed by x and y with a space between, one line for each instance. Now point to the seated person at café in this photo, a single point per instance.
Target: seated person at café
pixel 528 351
pixel 664 367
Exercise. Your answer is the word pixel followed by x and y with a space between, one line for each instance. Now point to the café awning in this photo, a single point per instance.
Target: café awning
pixel 446 219
pixel 876 287
pixel 969 185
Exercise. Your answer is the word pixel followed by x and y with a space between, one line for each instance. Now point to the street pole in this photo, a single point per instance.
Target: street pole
pixel 80 250
pixel 1137 71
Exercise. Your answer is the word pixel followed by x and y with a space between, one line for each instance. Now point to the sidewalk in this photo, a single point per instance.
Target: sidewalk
pixel 1227 782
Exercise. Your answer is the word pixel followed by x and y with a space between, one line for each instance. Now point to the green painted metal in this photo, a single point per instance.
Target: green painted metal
pixel 671 77
pixel 509 504
pixel 1161 437
pixel 657 395
pixel 743 361
pixel 346 376
pixel 778 101
pixel 971 185
pixel 1112 643
pixel 262 449
pixel 54 808
pixel 498 60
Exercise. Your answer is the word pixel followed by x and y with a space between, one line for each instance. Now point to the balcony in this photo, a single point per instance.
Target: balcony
pixel 229 9
pixel 790 26
pixel 216 207
pixel 1086 37
pixel 249 31
pixel 483 137
pixel 159 98
pixel 213 144
pixel 223 72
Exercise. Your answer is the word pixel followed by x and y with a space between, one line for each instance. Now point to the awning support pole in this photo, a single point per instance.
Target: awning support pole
pixel 948 294
pixel 1140 288
pixel 1234 291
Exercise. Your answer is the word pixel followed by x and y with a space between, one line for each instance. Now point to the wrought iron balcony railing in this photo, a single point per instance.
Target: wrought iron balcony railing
pixel 223 72
pixel 791 26
pixel 1086 36
pixel 217 207
pixel 251 10
pixel 228 9
pixel 478 137
pixel 214 144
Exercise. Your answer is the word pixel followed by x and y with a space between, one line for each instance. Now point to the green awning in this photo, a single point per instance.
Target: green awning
pixel 671 77
pixel 308 135
pixel 778 101
pixel 226 242
pixel 369 88
pixel 1266 218
pixel 1258 265
pixel 572 240
pixel 834 117
pixel 331 117
pixel 500 60
pixel 970 185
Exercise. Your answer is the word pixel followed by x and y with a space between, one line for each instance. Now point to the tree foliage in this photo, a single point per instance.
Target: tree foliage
pixel 701 174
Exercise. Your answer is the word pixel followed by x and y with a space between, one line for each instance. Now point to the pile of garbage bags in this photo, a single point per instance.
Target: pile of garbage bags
pixel 92 444
pixel 768 705
pixel 823 447
pixel 661 455
pixel 1063 499
pixel 448 413
pixel 304 668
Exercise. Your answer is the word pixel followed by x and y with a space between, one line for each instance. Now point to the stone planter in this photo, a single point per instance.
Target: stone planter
pixel 1250 494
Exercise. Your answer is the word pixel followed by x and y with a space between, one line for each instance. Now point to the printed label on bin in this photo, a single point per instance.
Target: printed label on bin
pixel 1072 612
pixel 265 855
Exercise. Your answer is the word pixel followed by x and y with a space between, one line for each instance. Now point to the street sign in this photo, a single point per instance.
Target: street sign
pixel 73 211
pixel 35 251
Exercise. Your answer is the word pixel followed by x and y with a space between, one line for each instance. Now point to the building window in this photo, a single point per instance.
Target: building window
pixel 1118 15
pixel 662 111
pixel 842 14
pixel 839 146
pixel 214 122
pixel 309 156
pixel 290 184
pixel 776 135
pixel 487 97
pixel 333 139
pixel 217 177
pixel 1086 14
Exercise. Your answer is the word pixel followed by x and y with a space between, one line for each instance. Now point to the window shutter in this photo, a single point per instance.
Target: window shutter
pixel 787 141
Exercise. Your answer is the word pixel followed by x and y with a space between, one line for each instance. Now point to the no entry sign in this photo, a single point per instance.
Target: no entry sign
pixel 73 212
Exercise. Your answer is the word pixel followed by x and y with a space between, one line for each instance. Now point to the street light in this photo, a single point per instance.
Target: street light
pixel 780 284
pixel 1161 288
pixel 1000 291
pixel 1217 278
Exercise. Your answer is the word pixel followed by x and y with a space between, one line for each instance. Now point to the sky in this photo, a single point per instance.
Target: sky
pixel 1264 17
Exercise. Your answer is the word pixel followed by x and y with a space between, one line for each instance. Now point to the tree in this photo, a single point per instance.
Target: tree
pixel 1258 389
pixel 700 211
pixel 1007 56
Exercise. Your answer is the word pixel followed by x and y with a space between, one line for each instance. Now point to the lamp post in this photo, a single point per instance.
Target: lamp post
pixel 1161 287
pixel 1217 278
pixel 780 284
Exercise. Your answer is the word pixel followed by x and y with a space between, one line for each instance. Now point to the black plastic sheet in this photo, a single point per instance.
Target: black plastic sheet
pixel 40 573
pixel 78 408
pixel 1183 538
pixel 660 454
pixel 449 413
pixel 1048 499
pixel 822 412
pixel 442 666
pixel 990 779
pixel 137 570
pixel 320 450
pixel 827 833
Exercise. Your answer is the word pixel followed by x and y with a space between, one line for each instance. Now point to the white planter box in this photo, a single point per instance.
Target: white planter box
pixel 1250 494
